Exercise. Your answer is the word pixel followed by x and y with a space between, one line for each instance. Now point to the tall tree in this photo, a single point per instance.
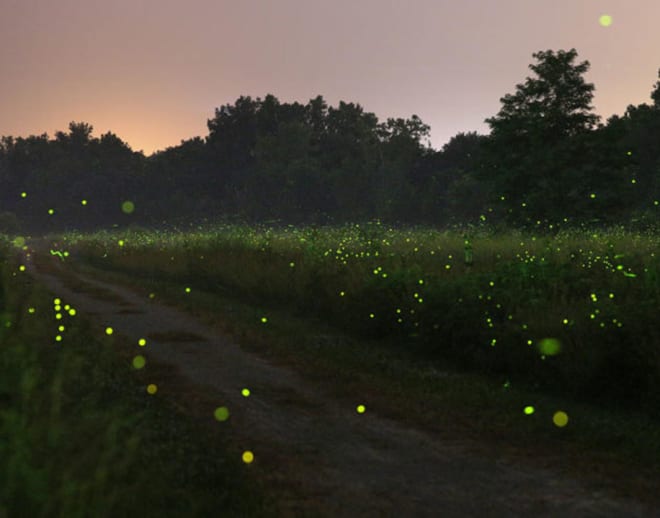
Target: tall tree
pixel 532 137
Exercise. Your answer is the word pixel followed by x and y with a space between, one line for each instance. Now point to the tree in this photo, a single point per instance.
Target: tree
pixel 461 195
pixel 402 154
pixel 655 94
pixel 532 137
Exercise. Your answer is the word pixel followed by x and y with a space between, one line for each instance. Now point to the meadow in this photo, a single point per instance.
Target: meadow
pixel 79 436
pixel 569 312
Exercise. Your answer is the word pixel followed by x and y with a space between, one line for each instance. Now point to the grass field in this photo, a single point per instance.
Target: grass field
pixel 571 313
pixel 79 436
pixel 552 322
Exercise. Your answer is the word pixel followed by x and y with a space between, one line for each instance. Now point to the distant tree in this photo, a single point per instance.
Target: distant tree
pixel 231 141
pixel 462 196
pixel 530 146
pixel 402 153
pixel 349 153
pixel 655 94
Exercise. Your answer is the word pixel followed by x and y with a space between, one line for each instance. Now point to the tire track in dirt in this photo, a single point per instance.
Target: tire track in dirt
pixel 315 453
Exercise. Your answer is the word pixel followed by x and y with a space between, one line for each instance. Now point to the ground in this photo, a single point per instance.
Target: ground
pixel 316 454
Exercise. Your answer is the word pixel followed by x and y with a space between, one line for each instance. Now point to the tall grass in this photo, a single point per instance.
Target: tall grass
pixel 572 312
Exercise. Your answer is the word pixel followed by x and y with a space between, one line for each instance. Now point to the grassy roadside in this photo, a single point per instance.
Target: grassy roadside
pixel 572 313
pixel 80 436
pixel 611 449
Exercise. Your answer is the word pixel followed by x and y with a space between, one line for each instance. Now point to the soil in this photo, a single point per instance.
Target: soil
pixel 314 452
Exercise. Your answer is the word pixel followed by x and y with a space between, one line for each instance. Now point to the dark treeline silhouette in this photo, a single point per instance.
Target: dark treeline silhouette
pixel 547 159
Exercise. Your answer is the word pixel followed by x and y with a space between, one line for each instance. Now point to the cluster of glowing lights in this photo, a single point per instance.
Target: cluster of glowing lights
pixel 61 310
pixel 378 257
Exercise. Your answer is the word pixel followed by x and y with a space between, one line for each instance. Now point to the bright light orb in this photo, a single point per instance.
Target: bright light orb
pixel 248 457
pixel 605 20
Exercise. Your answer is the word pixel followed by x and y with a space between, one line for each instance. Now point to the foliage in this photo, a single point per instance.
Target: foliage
pixel 596 292
pixel 545 160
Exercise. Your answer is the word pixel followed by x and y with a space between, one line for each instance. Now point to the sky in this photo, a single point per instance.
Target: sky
pixel 153 71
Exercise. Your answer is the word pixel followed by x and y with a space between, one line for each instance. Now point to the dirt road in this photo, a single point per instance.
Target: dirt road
pixel 317 454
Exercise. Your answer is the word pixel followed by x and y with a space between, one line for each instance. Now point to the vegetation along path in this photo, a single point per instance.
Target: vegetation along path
pixel 315 452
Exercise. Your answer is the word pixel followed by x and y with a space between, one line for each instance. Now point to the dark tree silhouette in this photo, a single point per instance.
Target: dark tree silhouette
pixel 533 146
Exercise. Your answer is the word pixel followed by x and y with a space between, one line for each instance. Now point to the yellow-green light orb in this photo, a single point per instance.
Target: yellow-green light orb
pixel 560 419
pixel 605 20
pixel 139 361
pixel 221 413
pixel 127 207
pixel 248 457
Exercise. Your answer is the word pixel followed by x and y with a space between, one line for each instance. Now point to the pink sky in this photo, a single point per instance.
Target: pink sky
pixel 152 71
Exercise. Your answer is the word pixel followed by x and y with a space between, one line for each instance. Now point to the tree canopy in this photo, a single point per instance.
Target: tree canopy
pixel 547 160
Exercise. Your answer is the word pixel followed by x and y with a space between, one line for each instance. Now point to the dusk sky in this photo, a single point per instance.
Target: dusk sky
pixel 153 71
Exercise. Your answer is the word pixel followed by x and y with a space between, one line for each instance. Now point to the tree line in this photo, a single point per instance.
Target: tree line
pixel 548 160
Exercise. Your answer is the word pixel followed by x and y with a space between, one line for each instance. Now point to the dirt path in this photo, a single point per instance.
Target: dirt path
pixel 317 453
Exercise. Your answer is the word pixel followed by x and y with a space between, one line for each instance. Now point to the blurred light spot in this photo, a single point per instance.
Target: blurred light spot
pixel 139 361
pixel 221 413
pixel 560 419
pixel 152 388
pixel 127 207
pixel 549 346
pixel 605 20
pixel 360 409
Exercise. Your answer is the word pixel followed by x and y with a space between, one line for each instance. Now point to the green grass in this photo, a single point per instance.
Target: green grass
pixel 599 445
pixel 595 292
pixel 79 435
pixel 239 275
